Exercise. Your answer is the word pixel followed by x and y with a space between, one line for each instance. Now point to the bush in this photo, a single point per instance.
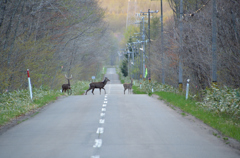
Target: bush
pixel 222 101
pixel 16 103
pixel 80 87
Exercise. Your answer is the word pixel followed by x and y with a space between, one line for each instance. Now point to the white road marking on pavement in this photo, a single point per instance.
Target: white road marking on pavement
pixel 101 121
pixel 104 105
pixel 98 143
pixel 100 130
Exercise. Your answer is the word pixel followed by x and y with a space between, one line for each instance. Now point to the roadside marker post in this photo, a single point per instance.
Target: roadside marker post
pixel 188 80
pixel 29 84
pixel 93 78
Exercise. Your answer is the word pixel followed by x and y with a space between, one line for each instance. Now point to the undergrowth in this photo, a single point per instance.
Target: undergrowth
pixel 17 103
pixel 226 124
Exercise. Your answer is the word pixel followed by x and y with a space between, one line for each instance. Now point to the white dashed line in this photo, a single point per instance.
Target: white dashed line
pixel 100 130
pixel 98 143
pixel 101 121
pixel 104 105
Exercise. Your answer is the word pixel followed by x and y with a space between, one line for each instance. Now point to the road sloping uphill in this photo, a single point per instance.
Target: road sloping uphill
pixel 111 125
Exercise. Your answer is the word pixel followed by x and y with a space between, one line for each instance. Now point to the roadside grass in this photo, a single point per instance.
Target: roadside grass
pixel 219 108
pixel 18 103
pixel 39 102
pixel 223 123
pixel 80 87
pixel 136 90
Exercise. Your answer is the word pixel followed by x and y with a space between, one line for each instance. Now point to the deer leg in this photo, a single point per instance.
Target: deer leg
pixel 92 91
pixel 104 90
pixel 87 91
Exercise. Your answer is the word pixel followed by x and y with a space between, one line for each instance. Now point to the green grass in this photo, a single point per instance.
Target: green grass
pixel 45 99
pixel 223 123
pixel 17 103
pixel 81 91
pixel 80 87
pixel 136 90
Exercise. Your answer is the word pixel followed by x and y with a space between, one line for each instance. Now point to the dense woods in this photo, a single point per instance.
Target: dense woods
pixel 51 38
pixel 197 33
pixel 57 37
pixel 195 49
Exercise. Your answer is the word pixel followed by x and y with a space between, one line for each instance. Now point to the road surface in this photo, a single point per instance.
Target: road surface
pixel 111 126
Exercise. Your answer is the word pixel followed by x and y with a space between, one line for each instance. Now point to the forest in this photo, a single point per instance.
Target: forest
pixel 52 38
pixel 200 40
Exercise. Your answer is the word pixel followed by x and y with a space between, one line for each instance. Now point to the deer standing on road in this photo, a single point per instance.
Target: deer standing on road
pixel 128 86
pixel 99 85
pixel 67 87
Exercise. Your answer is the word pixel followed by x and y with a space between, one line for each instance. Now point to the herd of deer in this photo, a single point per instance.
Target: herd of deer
pixel 93 85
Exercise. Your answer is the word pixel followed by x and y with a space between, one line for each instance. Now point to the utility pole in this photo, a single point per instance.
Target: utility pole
pixel 149 62
pixel 149 40
pixel 214 44
pixel 127 14
pixel 131 12
pixel 132 64
pixel 143 44
pixel 180 80
pixel 128 61
pixel 162 46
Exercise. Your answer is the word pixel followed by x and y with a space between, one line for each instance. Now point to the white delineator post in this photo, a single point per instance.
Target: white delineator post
pixel 29 83
pixel 187 89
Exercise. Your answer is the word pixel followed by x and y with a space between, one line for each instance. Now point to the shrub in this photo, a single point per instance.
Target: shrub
pixel 222 101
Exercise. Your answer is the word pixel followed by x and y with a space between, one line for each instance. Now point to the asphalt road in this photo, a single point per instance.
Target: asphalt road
pixel 111 126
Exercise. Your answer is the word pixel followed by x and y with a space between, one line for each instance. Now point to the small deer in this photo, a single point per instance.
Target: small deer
pixel 99 85
pixel 128 86
pixel 66 87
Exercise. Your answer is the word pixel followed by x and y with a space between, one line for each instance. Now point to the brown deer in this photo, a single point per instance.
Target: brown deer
pixel 128 86
pixel 67 87
pixel 99 85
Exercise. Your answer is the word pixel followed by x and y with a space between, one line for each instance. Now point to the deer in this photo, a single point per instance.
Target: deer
pixel 128 86
pixel 66 87
pixel 99 85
